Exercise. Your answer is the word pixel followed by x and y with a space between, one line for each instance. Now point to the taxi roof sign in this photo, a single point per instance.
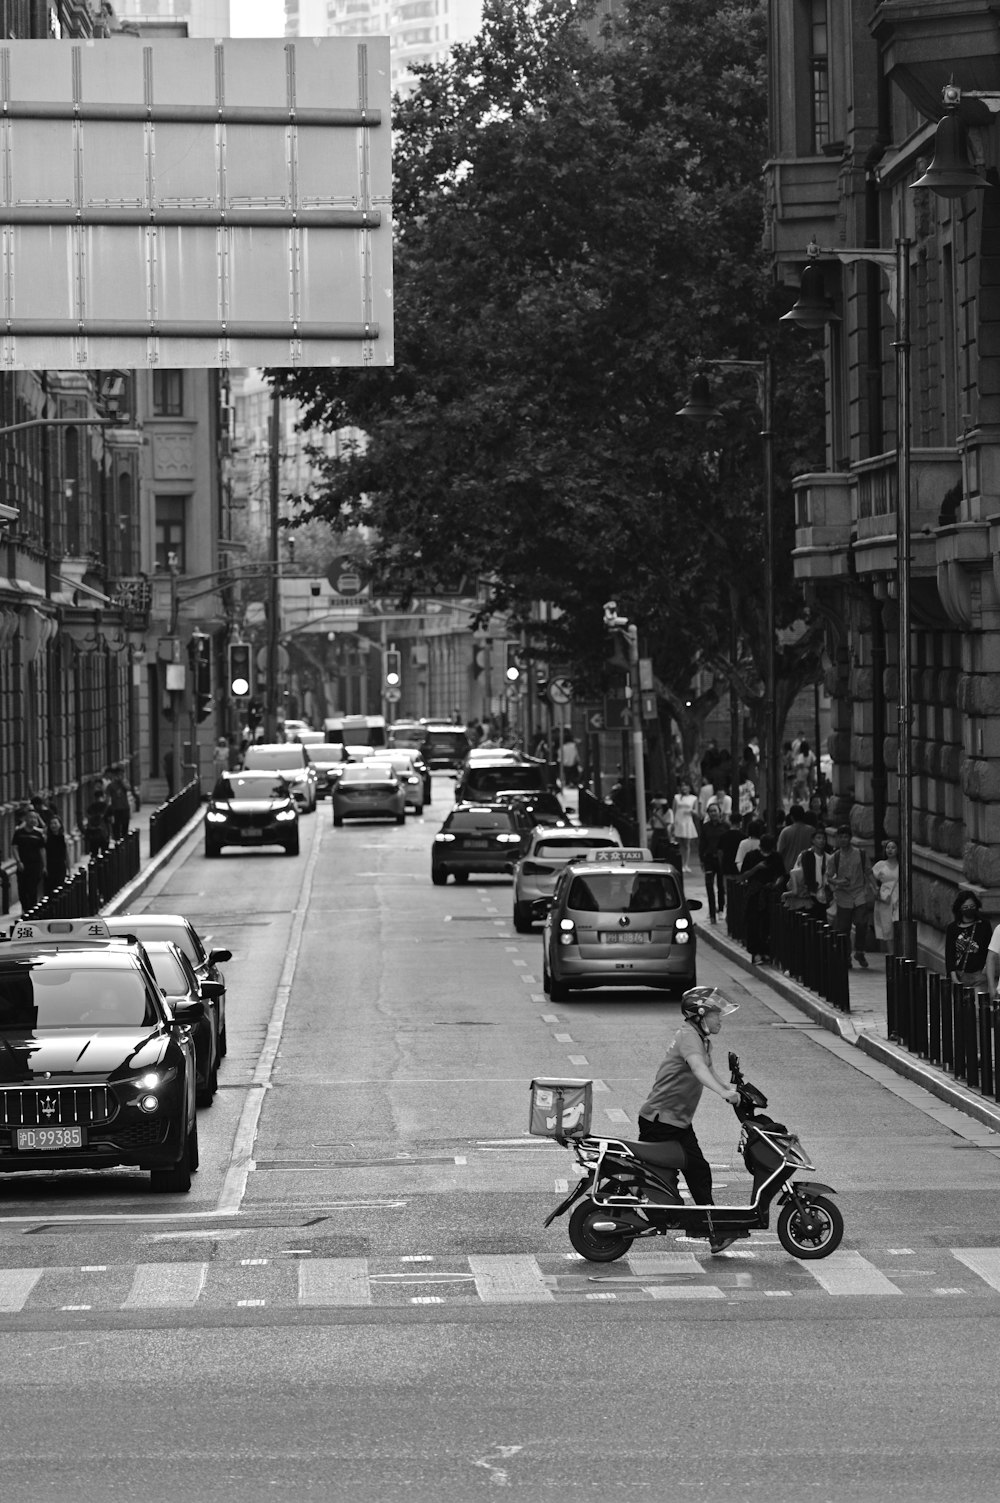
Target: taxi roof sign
pixel 620 855
pixel 58 930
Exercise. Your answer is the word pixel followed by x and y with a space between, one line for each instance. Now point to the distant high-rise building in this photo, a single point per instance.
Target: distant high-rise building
pixel 419 31
pixel 204 18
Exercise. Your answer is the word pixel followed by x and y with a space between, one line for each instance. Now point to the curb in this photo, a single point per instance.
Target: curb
pixel 121 900
pixel 890 1055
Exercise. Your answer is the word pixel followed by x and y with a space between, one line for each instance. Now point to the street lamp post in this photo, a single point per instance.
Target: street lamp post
pixel 700 406
pixel 812 311
pixel 630 632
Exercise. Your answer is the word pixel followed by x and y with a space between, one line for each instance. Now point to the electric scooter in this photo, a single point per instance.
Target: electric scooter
pixel 629 1191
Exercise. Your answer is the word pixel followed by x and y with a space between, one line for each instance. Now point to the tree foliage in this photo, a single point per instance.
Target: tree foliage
pixel 576 226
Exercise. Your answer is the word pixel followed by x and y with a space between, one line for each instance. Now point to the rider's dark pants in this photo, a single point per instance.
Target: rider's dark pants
pixel 696 1169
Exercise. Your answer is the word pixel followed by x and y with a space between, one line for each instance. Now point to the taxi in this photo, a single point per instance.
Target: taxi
pixel 97 1070
pixel 617 918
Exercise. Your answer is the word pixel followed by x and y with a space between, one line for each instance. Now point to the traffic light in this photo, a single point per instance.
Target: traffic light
pixel 201 666
pixel 542 688
pixel 512 672
pixel 478 659
pixel 393 668
pixel 239 669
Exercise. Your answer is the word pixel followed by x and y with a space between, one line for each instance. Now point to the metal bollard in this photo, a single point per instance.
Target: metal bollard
pixel 948 990
pixel 984 1020
pixel 935 983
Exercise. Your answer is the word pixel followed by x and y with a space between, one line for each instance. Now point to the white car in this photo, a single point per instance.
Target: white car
pixel 291 761
pixel 401 763
pixel 549 849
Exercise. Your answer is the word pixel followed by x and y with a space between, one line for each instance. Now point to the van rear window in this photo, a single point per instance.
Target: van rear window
pixel 610 891
pixel 568 850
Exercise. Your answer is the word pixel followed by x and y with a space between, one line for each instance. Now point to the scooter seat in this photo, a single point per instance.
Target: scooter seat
pixel 660 1155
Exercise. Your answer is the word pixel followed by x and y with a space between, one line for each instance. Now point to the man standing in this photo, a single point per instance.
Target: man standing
pixel 847 877
pixel 667 1113
pixel 795 837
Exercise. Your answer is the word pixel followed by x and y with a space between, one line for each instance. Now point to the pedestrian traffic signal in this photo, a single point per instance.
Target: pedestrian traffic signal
pixel 512 672
pixel 239 669
pixel 393 668
pixel 201 667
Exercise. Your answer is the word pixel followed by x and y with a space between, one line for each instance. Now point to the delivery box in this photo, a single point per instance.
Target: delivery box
pixel 560 1108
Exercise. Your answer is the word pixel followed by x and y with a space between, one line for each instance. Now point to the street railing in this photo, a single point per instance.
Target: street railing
pixel 806 949
pixel 171 817
pixel 949 1025
pixel 93 884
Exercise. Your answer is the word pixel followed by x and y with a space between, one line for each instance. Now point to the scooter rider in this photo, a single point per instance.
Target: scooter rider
pixel 666 1114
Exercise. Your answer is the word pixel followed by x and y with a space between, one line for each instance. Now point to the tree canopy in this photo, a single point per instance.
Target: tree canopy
pixel 577 226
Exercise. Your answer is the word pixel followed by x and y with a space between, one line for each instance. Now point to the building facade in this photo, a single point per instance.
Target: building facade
pixel 419 31
pixel 856 97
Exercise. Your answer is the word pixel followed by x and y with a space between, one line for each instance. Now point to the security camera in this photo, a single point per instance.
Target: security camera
pixel 611 616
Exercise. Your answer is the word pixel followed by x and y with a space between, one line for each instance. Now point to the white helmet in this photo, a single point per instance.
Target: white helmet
pixel 704 999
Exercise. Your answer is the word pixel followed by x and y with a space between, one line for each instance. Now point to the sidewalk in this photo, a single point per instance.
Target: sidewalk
pixel 864 1026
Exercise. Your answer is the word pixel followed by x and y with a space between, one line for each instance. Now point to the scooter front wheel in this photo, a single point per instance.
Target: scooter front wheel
pixel 813 1231
pixel 596 1247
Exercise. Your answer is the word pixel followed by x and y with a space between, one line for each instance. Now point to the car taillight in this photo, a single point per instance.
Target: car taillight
pixel 682 931
pixel 445 836
pixel 567 932
pixel 509 839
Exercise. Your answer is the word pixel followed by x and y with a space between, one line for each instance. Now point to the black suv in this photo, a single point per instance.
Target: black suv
pixel 478 838
pixel 482 781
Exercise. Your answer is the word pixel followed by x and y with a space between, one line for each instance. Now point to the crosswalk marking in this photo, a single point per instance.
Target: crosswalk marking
pixel 15 1286
pixel 334 1281
pixel 684 1291
pixel 163 1284
pixel 508 1279
pixel 647 1262
pixel 847 1272
pixel 984 1261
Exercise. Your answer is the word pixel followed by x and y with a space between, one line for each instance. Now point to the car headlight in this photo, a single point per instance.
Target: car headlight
pixel 216 816
pixel 152 1080
pixel 285 814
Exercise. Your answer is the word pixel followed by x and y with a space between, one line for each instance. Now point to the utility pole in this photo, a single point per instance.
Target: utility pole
pixel 273 624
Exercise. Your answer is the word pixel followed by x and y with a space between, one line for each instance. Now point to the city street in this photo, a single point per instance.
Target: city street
pixel 358 1299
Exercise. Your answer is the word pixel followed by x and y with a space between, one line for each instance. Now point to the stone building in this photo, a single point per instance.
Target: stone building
pixel 856 97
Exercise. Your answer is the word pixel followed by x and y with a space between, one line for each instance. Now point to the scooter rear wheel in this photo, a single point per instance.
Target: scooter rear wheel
pixel 813 1233
pixel 596 1247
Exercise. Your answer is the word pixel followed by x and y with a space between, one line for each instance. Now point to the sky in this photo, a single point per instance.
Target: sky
pixel 257 18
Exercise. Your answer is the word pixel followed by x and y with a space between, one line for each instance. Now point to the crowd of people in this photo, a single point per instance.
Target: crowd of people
pixel 39 845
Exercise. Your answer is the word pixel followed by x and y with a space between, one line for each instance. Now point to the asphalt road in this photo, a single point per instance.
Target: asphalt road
pixel 358 1300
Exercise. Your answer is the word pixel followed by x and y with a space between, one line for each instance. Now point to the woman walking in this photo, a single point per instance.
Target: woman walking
pixel 685 829
pixel 967 942
pixel 885 895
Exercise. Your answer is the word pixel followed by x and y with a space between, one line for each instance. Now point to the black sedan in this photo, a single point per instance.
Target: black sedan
pixel 478 838
pixel 251 809
pixel 96 1071
pixel 174 926
pixel 177 981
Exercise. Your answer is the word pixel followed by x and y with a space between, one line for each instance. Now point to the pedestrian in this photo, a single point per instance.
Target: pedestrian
pixel 96 825
pixel 661 827
pixel 569 756
pixel 885 895
pixel 813 866
pixel 220 757
pixel 847 876
pixel 746 794
pixel 667 1114
pixel 28 842
pixel 968 945
pixel 816 812
pixel 119 805
pixel 795 837
pixel 765 873
pixel 685 829
pixel 749 844
pixel 710 839
pixel 706 796
pixel 168 770
pixel 56 855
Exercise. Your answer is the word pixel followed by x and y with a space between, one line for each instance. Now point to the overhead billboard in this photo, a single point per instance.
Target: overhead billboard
pixel 175 202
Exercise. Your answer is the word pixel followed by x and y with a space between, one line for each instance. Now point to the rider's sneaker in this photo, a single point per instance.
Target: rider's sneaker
pixel 720 1244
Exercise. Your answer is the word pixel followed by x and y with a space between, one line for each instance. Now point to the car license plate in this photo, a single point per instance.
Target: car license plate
pixel 624 939
pixel 253 829
pixel 31 1139
pixel 477 845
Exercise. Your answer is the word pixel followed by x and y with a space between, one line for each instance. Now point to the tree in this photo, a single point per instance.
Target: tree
pixel 575 226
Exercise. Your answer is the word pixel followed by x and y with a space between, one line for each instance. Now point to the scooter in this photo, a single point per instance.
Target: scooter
pixel 629 1191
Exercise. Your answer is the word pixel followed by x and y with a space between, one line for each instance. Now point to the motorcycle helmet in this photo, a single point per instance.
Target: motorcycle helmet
pixel 704 999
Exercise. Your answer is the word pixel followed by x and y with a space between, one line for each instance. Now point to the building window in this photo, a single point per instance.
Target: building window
pixel 168 393
pixel 819 75
pixel 170 532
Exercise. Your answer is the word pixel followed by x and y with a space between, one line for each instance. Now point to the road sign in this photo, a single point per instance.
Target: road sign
pixel 595 720
pixel 560 691
pixel 617 714
pixel 649 710
pixel 391 695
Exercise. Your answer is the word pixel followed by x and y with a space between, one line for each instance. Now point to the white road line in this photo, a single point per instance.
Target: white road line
pixel 615 1114
pixel 599 1085
pixel 509 1278
pixel 563 1038
pixel 160 1284
pixel 334 1281
pixel 684 1291
pixel 647 1263
pixel 847 1272
pixel 984 1262
pixel 577 1059
pixel 15 1286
